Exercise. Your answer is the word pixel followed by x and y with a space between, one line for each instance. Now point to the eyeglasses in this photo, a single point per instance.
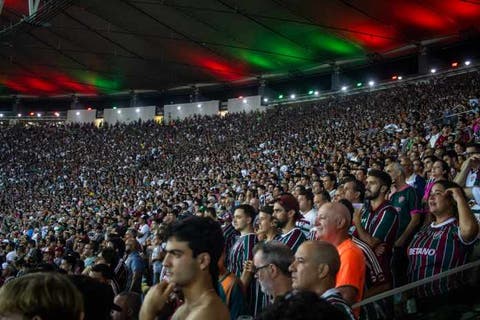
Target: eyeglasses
pixel 255 271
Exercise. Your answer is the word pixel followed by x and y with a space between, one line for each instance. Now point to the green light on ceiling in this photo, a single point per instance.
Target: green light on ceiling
pixel 280 96
pixel 258 60
pixel 310 92
pixel 359 84
pixel 105 85
pixel 334 44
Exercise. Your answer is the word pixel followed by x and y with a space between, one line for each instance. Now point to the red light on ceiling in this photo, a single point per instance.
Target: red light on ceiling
pixel 454 64
pixel 240 97
pixel 32 114
pixel 89 109
pixel 40 85
pixel 394 77
pixel 418 15
pixel 372 35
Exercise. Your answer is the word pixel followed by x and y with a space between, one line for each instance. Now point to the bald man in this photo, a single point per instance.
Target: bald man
pixel 332 224
pixel 315 268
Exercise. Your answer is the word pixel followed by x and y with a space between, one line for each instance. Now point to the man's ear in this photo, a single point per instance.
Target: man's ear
pixel 323 270
pixel 204 260
pixel 291 214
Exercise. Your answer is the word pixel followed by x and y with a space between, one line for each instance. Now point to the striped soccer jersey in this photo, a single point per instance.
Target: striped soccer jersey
pixel 378 272
pixel 434 249
pixel 293 239
pixel 334 297
pixel 241 251
pixel 230 235
pixel 381 223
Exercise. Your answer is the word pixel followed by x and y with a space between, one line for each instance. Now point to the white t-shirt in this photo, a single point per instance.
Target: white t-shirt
pixel 145 231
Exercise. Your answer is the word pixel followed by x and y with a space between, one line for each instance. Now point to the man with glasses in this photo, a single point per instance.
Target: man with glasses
pixel 271 261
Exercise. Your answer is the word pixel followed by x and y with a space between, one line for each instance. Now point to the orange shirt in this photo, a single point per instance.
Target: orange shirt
pixel 352 267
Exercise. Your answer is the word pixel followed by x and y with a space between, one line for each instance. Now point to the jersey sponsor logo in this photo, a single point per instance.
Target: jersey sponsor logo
pixel 422 251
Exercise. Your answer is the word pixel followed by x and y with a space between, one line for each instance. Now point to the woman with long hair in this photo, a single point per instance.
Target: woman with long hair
pixel 443 244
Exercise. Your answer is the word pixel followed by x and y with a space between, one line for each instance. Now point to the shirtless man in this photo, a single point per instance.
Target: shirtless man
pixel 194 246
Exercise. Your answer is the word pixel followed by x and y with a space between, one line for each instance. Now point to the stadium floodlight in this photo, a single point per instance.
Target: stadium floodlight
pixel 292 96
pixel 137 110
pixel 371 83
pixel 1 115
pixel 316 93
pixel 39 115
pixel 400 77
pixel 179 107
pixel 468 62
pixel 78 113
pixel 244 100
pixel 19 115
pixel 265 99
pixel 344 88
pixel 433 70
pixel 199 105
pixel 119 111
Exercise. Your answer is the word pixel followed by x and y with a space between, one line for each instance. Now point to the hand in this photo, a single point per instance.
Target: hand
pixel 380 249
pixel 357 218
pixel 248 266
pixel 455 193
pixel 155 300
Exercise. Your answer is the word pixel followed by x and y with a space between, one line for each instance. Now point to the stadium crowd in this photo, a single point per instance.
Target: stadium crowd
pixel 340 197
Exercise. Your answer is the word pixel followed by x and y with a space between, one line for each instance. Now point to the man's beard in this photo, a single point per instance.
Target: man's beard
pixel 281 224
pixel 372 196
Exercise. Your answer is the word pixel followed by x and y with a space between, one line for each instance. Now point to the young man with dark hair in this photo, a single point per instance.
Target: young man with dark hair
pixel 286 212
pixel 194 246
pixel 377 223
pixel 309 213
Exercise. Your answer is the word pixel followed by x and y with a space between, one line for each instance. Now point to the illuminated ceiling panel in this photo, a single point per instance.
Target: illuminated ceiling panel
pixel 103 47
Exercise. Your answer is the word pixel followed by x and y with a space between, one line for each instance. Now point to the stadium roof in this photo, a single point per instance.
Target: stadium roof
pixel 111 46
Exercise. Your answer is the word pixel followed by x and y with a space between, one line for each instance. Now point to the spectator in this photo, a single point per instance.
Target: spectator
pixel 332 225
pixel 97 297
pixel 455 230
pixel 286 212
pixel 309 213
pixel 47 296
pixel 135 266
pixel 267 228
pixel 314 269
pixel 129 303
pixel 194 247
pixel 271 261
pixel 303 305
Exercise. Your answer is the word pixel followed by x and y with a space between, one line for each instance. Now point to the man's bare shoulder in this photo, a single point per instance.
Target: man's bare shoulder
pixel 212 308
